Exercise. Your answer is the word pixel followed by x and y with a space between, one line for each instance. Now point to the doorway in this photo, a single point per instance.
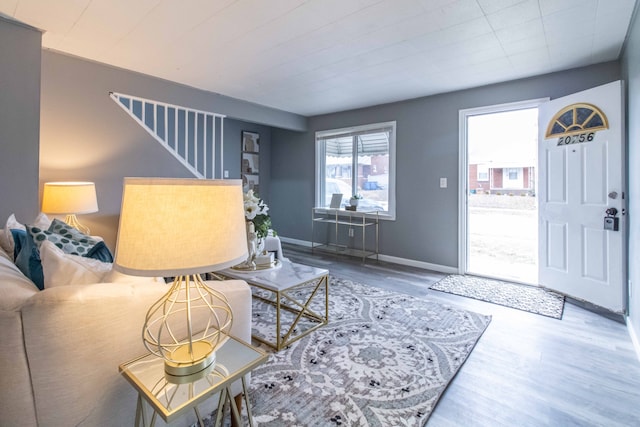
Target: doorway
pixel 499 215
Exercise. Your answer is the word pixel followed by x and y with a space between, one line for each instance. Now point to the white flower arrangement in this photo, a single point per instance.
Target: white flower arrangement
pixel 256 211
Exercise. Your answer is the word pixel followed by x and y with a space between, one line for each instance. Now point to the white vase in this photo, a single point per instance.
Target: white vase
pixel 353 202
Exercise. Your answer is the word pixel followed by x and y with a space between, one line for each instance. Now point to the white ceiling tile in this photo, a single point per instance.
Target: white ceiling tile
pixel 555 32
pixel 50 15
pixel 493 6
pixel 519 13
pixel 565 52
pixel 523 31
pixel 531 58
pixel 459 12
pixel 456 34
pixel 548 7
pixel 524 45
pixel 431 5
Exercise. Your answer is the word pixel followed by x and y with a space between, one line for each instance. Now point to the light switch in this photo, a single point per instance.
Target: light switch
pixel 443 182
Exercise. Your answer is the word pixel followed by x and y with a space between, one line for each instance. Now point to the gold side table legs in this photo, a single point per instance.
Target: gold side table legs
pixel 225 396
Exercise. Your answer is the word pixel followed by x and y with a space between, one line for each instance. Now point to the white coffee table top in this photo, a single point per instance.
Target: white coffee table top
pixel 278 279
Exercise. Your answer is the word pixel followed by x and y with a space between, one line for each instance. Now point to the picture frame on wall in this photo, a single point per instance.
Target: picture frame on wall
pixel 250 161
pixel 250 142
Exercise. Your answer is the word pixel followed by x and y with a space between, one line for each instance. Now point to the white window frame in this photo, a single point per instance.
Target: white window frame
pixel 390 213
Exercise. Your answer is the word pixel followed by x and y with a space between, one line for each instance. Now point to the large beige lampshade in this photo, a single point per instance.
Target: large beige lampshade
pixel 172 227
pixel 69 198
pixel 181 228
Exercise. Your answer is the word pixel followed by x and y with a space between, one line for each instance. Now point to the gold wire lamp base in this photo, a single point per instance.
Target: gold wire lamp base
pixel 72 220
pixel 167 335
pixel 188 362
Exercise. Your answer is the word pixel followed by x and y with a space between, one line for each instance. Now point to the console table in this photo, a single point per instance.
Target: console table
pixel 346 220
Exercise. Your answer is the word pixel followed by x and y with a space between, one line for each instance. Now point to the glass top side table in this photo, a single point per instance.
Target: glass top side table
pixel 172 398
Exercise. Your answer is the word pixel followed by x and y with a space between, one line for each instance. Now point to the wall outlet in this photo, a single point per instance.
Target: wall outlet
pixel 226 174
pixel 443 182
pixel 351 232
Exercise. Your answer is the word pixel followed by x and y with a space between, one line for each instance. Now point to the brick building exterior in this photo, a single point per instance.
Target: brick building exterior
pixel 506 179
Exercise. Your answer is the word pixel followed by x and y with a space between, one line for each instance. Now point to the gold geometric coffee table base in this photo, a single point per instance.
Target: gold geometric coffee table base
pixel 285 301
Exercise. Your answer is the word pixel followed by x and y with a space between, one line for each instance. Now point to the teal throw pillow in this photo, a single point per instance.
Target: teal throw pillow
pixel 100 252
pixel 27 257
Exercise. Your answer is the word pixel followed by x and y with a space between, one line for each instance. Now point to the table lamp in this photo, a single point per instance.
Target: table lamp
pixel 181 228
pixel 70 198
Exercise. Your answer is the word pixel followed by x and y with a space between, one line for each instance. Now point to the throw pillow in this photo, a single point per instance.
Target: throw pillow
pixel 6 238
pixel 27 257
pixel 67 244
pixel 99 251
pixel 61 269
pixel 3 253
pixel 64 229
pixel 27 250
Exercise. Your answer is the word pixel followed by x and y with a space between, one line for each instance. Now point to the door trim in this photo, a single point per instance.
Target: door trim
pixel 463 168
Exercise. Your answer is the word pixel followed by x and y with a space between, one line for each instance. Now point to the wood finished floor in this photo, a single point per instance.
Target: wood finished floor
pixel 526 370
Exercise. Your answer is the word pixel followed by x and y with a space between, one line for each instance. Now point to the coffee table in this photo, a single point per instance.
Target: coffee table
pixel 291 287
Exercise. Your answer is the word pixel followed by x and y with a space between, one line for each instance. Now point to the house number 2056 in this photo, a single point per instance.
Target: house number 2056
pixel 576 139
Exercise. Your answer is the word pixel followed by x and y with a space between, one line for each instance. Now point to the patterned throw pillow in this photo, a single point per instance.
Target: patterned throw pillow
pixel 72 233
pixel 28 243
pixel 67 244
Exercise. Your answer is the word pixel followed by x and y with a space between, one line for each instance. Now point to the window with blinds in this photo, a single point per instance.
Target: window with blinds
pixel 357 160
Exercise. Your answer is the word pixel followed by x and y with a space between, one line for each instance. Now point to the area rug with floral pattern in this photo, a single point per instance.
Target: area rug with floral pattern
pixel 522 297
pixel 384 359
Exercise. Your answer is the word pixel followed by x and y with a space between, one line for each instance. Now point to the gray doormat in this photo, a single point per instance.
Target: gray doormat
pixel 522 297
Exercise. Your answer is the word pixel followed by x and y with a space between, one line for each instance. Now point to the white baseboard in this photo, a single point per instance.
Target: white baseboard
pixel 419 264
pixel 295 241
pixel 635 338
pixel 387 258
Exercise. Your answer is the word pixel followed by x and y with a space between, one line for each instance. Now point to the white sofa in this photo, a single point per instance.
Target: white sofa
pixel 60 348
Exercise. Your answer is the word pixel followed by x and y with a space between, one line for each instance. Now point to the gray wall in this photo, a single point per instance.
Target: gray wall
pixel 86 136
pixel 19 120
pixel 631 71
pixel 426 226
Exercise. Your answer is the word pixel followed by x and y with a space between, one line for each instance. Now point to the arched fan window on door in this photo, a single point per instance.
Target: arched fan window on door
pixel 576 118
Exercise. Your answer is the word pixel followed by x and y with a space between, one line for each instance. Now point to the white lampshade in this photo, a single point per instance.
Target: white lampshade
pixel 171 227
pixel 69 198
pixel 181 228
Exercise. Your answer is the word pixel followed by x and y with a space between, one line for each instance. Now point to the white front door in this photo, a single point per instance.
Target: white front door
pixel 581 175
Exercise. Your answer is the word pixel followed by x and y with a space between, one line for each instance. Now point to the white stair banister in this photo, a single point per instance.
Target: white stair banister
pixel 189 142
